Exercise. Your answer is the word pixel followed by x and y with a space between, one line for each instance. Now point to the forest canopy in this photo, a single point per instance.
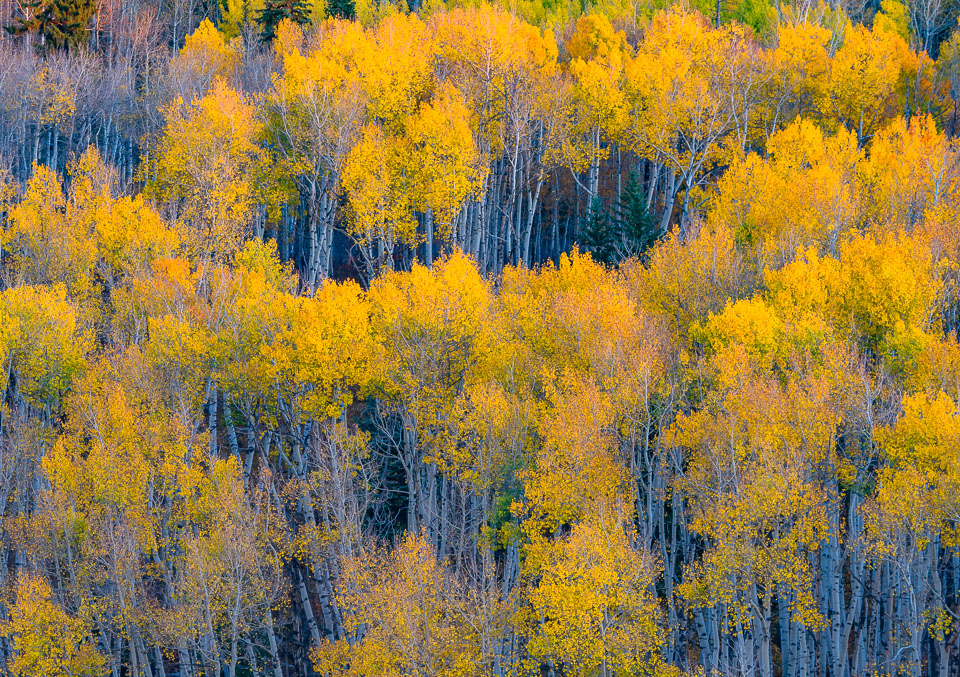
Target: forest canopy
pixel 529 339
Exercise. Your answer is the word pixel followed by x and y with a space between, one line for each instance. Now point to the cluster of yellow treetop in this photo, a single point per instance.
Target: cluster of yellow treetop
pixel 736 454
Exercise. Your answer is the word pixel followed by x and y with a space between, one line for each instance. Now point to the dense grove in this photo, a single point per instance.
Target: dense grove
pixel 551 342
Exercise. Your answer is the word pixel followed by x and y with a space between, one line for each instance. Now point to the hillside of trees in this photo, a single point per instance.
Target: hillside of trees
pixel 359 339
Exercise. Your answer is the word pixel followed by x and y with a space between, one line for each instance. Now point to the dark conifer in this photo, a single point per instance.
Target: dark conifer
pixel 636 230
pixel 60 24
pixel 275 11
pixel 598 234
pixel 345 9
pixel 626 230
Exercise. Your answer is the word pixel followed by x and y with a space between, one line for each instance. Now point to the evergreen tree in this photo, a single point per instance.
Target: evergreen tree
pixel 275 11
pixel 598 236
pixel 61 24
pixel 635 227
pixel 344 9
pixel 624 231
